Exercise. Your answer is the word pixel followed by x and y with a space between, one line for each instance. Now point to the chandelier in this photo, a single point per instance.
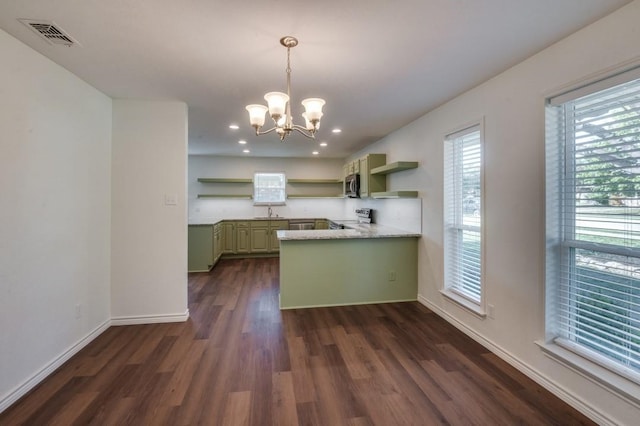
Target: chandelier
pixel 279 107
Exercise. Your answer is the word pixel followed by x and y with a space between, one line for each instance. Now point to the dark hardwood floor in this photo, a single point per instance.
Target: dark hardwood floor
pixel 240 360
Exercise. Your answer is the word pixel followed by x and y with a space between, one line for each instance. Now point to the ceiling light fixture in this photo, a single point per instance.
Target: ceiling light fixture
pixel 279 106
pixel 234 126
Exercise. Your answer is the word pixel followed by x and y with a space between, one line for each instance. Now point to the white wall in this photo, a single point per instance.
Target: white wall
pixel 207 209
pixel 149 234
pixel 402 214
pixel 512 105
pixel 55 136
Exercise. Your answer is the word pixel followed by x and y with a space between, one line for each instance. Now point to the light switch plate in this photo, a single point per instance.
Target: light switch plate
pixel 170 199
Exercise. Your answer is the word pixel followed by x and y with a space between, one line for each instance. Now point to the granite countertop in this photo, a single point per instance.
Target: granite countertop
pixel 240 219
pixel 353 231
pixel 213 221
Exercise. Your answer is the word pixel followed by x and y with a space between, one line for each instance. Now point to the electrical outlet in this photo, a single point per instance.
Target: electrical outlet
pixel 491 311
pixel 78 311
pixel 392 275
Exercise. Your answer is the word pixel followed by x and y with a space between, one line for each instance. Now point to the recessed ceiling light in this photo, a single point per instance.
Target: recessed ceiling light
pixel 234 126
pixel 246 151
pixel 315 153
pixel 323 144
pixel 336 130
pixel 242 142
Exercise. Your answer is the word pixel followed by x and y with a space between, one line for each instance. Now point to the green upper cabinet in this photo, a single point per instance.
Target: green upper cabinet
pixel 372 183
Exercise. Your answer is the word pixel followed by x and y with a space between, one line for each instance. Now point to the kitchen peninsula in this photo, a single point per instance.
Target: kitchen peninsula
pixel 363 264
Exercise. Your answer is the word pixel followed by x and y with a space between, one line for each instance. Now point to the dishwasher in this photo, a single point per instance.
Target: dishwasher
pixel 302 225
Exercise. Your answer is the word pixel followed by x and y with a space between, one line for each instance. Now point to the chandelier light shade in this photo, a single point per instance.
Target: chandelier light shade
pixel 279 107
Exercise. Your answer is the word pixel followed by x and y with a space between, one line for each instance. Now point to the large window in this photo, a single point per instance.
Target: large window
pixel 269 188
pixel 593 223
pixel 462 215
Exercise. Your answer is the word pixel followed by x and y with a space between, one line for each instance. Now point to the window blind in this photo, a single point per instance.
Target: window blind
pixel 593 144
pixel 463 195
pixel 269 188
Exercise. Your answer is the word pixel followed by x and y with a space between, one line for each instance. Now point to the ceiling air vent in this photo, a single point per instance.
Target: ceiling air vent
pixel 50 32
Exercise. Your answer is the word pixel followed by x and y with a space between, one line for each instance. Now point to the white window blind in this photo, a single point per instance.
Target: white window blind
pixel 593 225
pixel 269 188
pixel 463 195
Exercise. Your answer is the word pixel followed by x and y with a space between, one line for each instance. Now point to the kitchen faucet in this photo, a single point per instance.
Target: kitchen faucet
pixel 269 212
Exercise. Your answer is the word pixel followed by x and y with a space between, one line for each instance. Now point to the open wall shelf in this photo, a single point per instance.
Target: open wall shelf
pixel 315 181
pixel 224 180
pixel 240 196
pixel 398 166
pixel 395 194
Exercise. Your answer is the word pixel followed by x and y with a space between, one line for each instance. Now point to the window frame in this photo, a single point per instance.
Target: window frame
pixel 476 307
pixel 257 201
pixel 561 240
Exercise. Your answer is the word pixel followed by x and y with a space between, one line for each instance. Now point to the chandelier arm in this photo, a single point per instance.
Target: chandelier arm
pixel 258 132
pixel 303 131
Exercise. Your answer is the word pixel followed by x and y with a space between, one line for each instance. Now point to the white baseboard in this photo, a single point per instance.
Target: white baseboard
pixel 34 380
pixel 150 319
pixel 525 369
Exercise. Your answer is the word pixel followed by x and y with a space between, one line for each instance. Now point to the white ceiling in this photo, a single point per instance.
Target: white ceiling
pixel 379 64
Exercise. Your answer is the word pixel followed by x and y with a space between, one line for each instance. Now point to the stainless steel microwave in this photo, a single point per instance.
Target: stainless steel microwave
pixel 352 186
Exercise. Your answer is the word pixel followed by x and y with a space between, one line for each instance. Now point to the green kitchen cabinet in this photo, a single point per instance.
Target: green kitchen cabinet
pixel 260 236
pixel 200 248
pixel 243 238
pixel 274 227
pixel 372 183
pixel 217 242
pixel 321 224
pixel 264 238
pixel 228 237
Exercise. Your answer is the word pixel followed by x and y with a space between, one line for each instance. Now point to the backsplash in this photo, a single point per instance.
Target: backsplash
pixel 405 214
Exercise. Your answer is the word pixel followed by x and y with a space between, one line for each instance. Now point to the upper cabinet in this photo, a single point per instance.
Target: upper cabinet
pixel 373 176
pixel 368 182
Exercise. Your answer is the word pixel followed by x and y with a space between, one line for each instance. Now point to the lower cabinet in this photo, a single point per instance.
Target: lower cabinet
pixel 260 237
pixel 264 237
pixel 217 242
pixel 321 224
pixel 207 243
pixel 274 226
pixel 243 239
pixel 228 237
pixel 200 248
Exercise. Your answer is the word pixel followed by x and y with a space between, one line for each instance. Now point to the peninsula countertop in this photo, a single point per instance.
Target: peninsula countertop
pixel 353 231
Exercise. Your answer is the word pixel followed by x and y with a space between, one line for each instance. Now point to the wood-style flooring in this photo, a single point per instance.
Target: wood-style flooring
pixel 239 360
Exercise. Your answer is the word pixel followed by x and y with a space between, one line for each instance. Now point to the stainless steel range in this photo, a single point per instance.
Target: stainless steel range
pixel 364 215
